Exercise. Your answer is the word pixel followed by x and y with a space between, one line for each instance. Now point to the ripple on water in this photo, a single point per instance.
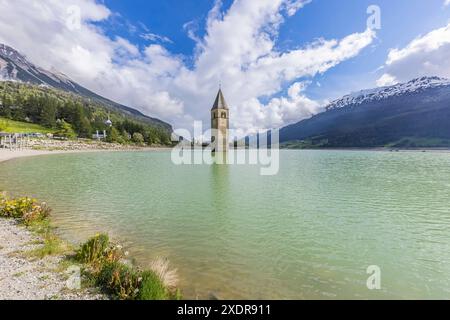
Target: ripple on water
pixel 309 232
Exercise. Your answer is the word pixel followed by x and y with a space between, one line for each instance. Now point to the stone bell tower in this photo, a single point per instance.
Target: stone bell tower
pixel 220 124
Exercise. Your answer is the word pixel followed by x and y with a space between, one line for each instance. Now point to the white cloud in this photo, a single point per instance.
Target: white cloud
pixel 238 50
pixel 427 55
pixel 125 48
pixel 114 68
pixel 191 28
pixel 278 111
pixel 447 3
pixel 155 37
pixel 386 80
pixel 292 6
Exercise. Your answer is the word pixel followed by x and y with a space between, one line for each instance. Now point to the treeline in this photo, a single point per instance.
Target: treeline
pixel 77 116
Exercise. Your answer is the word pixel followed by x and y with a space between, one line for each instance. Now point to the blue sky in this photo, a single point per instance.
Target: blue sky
pixel 279 61
pixel 402 21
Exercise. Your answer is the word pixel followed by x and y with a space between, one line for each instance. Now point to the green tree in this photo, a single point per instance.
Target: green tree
pixel 112 135
pixel 48 115
pixel 5 106
pixel 65 130
pixel 84 128
pixel 138 138
pixel 125 135
pixel 80 122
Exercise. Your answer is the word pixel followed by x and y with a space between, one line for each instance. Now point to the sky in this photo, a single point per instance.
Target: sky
pixel 277 61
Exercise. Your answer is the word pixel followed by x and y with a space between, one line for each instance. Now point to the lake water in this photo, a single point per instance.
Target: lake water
pixel 309 232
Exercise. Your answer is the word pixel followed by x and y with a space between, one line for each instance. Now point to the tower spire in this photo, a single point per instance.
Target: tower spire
pixel 220 102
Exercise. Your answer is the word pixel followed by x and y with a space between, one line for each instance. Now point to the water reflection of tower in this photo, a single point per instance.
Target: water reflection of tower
pixel 220 186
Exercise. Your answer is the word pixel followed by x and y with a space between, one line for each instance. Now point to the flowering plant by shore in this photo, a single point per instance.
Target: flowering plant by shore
pixel 102 263
pixel 25 209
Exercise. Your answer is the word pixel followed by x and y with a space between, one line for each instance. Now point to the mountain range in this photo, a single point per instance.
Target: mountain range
pixel 16 67
pixel 405 115
pixel 412 114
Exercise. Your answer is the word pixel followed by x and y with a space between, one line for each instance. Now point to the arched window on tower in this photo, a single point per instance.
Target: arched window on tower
pixel 224 115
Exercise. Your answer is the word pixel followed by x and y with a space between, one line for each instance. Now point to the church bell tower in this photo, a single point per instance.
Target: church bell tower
pixel 220 124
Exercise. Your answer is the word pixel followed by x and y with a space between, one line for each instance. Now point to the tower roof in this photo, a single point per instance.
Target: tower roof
pixel 220 102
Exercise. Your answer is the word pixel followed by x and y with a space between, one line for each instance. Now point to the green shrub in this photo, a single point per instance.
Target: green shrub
pixel 65 130
pixel 16 208
pixel 101 257
pixel 26 209
pixel 38 213
pixel 151 287
pixel 138 138
pixel 98 250
pixel 113 254
pixel 93 251
pixel 120 280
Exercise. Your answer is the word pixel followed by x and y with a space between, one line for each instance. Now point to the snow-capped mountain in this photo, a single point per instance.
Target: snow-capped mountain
pixel 412 114
pixel 378 94
pixel 16 67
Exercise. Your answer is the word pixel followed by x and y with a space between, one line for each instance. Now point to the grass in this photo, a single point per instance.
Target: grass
pixel 106 268
pixel 51 246
pixel 41 227
pixel 11 126
pixel 152 288
pixel 414 142
pixel 304 144
pixel 102 263
pixel 169 278
pixel 35 216
pixel 404 143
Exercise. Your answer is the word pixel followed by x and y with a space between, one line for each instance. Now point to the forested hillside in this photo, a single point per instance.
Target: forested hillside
pixel 50 107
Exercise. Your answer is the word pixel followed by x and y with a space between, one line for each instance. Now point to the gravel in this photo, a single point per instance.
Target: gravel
pixel 25 278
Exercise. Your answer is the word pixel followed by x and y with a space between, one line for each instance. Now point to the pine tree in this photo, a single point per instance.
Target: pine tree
pixel 48 115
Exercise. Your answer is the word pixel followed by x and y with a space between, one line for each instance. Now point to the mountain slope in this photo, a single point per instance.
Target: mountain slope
pixel 413 114
pixel 15 67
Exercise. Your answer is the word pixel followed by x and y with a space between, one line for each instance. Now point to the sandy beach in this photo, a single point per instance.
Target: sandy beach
pixel 6 155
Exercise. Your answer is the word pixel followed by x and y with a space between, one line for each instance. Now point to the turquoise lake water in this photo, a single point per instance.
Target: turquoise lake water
pixel 309 232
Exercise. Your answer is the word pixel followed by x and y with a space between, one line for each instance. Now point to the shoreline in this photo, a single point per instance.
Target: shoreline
pixel 26 277
pixel 37 264
pixel 393 150
pixel 7 155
